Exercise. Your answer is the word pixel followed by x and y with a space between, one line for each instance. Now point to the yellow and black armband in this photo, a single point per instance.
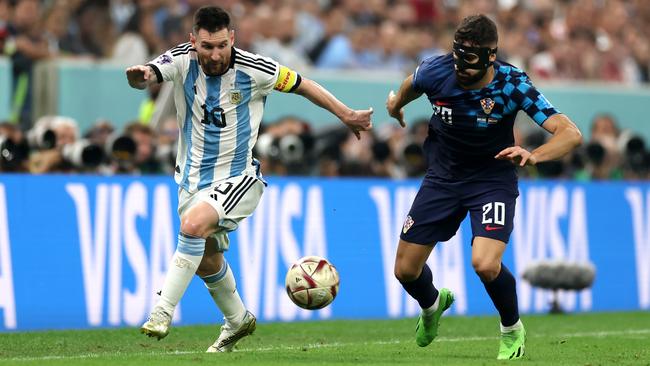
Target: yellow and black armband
pixel 288 80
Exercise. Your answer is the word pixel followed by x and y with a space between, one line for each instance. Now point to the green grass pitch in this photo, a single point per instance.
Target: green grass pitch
pixel 576 339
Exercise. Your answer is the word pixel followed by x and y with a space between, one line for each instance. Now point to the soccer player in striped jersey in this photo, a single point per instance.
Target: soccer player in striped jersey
pixel 472 168
pixel 219 92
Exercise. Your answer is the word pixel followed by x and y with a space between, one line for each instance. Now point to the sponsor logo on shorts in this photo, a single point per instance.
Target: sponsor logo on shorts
pixel 407 224
pixel 492 228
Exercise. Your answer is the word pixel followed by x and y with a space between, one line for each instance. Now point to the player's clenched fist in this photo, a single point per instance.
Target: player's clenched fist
pixel 139 76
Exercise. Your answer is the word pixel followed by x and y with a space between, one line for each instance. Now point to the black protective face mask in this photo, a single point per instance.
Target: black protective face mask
pixel 475 58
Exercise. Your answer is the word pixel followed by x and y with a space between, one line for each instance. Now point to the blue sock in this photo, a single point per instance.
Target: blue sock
pixel 503 292
pixel 422 289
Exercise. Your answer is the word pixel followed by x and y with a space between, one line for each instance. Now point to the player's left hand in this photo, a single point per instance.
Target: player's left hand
pixel 391 107
pixel 358 120
pixel 517 155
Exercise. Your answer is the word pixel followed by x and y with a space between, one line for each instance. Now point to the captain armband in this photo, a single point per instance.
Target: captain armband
pixel 288 80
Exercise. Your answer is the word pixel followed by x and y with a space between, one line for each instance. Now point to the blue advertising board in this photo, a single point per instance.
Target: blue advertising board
pixel 87 251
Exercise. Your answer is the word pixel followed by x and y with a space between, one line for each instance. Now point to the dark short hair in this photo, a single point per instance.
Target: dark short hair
pixel 211 18
pixel 477 30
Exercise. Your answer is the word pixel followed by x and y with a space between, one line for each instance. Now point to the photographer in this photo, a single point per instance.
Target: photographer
pixel 286 147
pixel 144 160
pixel 14 151
pixel 636 159
pixel 58 149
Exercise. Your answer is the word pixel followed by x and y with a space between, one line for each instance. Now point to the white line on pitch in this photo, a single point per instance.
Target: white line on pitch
pixel 598 334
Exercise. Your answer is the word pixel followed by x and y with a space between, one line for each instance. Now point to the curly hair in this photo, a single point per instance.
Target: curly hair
pixel 477 30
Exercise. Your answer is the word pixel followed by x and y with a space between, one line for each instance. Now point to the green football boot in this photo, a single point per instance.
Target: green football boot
pixel 513 344
pixel 427 327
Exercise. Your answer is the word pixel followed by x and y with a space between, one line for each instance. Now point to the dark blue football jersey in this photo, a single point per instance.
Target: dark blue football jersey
pixel 469 127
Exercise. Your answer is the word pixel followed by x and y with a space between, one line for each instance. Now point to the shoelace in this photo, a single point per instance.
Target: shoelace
pixel 509 338
pixel 158 315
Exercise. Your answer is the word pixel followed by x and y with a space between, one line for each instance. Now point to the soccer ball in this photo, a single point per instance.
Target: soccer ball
pixel 312 282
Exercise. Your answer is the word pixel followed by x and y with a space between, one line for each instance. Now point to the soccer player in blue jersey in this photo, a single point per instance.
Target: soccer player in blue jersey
pixel 472 168
pixel 219 92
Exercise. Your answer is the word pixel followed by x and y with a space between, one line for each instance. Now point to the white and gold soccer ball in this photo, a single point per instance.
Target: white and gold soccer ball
pixel 312 282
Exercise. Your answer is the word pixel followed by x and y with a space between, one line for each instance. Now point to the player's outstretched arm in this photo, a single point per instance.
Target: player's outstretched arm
pixel 140 76
pixel 405 95
pixel 356 120
pixel 566 137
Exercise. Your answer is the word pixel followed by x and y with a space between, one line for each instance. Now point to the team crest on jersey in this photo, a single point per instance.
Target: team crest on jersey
pixel 407 224
pixel 235 96
pixel 487 104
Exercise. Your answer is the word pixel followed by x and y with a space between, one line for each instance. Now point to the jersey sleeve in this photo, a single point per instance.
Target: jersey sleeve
pixel 531 101
pixel 266 71
pixel 422 73
pixel 430 73
pixel 168 66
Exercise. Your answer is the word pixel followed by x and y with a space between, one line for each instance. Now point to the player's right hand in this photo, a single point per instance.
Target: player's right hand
pixel 517 155
pixel 358 120
pixel 391 107
pixel 139 75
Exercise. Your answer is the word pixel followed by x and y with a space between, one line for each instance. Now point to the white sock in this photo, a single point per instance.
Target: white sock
pixel 223 289
pixel 517 326
pixel 184 263
pixel 428 312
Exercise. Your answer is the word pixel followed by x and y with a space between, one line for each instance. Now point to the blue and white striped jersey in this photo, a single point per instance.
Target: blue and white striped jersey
pixel 218 116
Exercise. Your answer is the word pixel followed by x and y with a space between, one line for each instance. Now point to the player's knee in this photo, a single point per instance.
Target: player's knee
pixel 406 273
pixel 486 270
pixel 191 226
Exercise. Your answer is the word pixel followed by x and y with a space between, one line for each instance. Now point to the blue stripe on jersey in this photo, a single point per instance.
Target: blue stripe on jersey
pixel 258 171
pixel 190 80
pixel 243 84
pixel 212 134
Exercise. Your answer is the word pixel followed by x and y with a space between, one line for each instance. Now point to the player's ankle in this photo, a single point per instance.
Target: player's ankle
pixel 428 313
pixel 507 329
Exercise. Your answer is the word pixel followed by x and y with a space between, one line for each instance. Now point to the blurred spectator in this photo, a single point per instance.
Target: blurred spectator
pixel 5 9
pixel 553 39
pixel 592 40
pixel 144 160
pixel 279 45
pixel 148 105
pixel 636 159
pixel 14 151
pixel 602 154
pixel 131 47
pixel 166 144
pixel 93 28
pixel 334 50
pixel 25 43
pixel 286 147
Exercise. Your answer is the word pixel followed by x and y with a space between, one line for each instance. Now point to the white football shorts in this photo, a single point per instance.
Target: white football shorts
pixel 234 199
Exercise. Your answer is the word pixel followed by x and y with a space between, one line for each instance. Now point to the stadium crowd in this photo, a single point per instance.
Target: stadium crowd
pixel 594 40
pixel 552 39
